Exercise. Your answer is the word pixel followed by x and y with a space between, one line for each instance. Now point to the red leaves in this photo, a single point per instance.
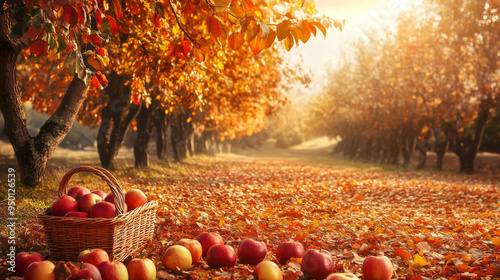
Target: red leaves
pixel 70 15
pixel 82 14
pixel 214 27
pixel 38 47
pixel 402 253
pixel 95 39
pixel 186 47
pixel 99 81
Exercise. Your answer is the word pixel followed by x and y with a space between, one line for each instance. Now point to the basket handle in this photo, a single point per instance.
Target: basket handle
pixel 110 180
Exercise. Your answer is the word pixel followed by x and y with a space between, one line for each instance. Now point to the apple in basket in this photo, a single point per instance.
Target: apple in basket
pixel 87 201
pixel 110 198
pixel 74 214
pixel 100 193
pixel 103 209
pixel 77 192
pixel 63 205
pixel 135 198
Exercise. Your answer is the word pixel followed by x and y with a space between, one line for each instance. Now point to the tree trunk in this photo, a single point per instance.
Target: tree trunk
pixel 144 132
pixel 116 118
pixel 182 135
pixel 32 153
pixel 178 143
pixel 440 152
pixel 467 149
pixel 161 133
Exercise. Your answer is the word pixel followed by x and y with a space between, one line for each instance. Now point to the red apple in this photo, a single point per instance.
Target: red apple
pixel 193 246
pixel 110 198
pixel 251 252
pixel 221 256
pixel 77 192
pixel 40 270
pixel 85 271
pixel 24 259
pixel 114 270
pixel 289 249
pixel 87 201
pixel 267 270
pixel 342 276
pixel 135 198
pixel 377 268
pixel 75 214
pixel 209 239
pixel 177 258
pixel 93 256
pixel 317 264
pixel 103 209
pixel 141 269
pixel 100 193
pixel 63 205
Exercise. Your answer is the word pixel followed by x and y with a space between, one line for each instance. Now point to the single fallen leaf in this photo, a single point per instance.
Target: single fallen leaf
pixel 496 241
pixel 420 260
pixel 402 253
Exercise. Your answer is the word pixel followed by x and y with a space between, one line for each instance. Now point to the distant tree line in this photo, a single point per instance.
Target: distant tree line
pixel 435 77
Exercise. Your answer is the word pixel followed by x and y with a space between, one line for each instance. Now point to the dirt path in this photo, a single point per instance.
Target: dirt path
pixel 318 150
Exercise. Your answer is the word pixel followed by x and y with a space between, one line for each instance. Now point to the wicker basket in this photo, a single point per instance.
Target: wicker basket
pixel 119 236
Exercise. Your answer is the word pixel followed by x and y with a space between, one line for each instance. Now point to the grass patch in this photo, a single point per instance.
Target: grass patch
pixel 357 165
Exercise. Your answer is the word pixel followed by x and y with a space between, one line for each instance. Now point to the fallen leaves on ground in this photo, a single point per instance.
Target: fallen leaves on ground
pixel 431 226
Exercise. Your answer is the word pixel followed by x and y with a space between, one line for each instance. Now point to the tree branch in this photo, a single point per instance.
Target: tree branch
pixel 180 25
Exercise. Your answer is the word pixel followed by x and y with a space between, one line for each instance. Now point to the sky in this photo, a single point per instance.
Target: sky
pixel 362 16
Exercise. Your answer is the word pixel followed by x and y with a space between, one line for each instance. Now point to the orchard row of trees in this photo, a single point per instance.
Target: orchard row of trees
pixel 208 67
pixel 437 74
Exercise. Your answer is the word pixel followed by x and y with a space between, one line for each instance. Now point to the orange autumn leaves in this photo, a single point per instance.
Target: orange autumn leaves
pixel 159 32
pixel 429 225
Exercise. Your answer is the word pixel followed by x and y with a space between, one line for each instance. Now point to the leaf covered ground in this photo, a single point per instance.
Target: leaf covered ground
pixel 431 225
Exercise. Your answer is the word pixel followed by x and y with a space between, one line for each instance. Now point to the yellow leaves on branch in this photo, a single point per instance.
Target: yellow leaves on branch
pixel 242 21
pixel 236 40
pixel 260 35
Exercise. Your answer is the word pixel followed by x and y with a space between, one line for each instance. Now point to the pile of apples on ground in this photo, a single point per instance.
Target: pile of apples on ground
pixel 95 263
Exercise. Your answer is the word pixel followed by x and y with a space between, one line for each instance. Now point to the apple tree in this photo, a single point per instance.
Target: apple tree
pixel 92 32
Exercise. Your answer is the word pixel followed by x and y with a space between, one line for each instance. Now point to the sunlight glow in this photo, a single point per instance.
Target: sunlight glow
pixel 364 17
